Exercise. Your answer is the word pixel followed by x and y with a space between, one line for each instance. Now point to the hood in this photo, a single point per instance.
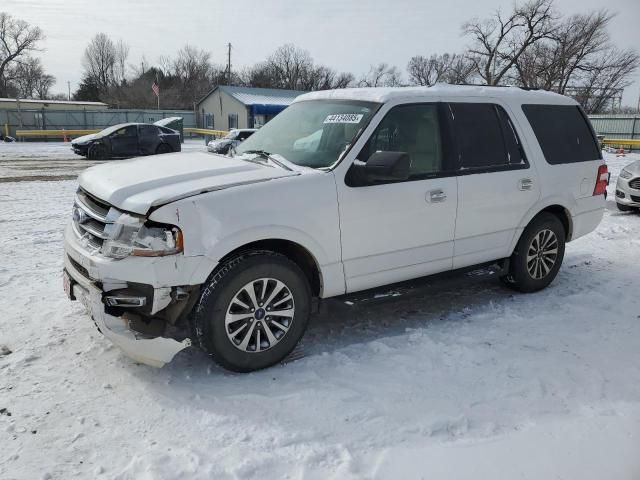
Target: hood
pixel 85 138
pixel 140 184
pixel 633 167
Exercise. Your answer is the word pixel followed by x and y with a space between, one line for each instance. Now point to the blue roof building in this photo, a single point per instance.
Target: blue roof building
pixel 226 107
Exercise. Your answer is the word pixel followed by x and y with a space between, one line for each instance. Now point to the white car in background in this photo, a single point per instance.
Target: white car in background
pixel 628 188
pixel 231 140
pixel 231 255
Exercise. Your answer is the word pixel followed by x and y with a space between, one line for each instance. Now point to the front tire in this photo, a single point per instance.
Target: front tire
pixel 97 152
pixel 538 256
pixel 252 311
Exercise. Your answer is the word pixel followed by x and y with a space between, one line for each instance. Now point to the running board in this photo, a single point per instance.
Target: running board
pixel 418 285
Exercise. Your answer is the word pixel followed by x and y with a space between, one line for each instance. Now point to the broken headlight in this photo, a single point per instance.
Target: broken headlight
pixel 130 235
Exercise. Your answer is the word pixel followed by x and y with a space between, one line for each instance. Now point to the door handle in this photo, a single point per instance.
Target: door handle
pixel 437 196
pixel 525 184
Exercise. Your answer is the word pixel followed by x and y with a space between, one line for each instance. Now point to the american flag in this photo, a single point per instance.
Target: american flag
pixel 155 87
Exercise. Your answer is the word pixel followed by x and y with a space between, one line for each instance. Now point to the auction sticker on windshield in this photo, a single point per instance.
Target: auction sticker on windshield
pixel 344 118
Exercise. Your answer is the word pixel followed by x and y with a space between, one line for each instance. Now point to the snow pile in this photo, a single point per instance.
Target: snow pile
pixel 463 381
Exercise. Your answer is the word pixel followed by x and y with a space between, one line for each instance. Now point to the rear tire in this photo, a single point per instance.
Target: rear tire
pixel 253 310
pixel 164 148
pixel 538 255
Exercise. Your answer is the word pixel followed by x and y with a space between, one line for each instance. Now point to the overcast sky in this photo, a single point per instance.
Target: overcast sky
pixel 347 35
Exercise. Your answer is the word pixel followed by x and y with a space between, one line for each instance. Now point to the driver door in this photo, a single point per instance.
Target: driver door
pixel 397 231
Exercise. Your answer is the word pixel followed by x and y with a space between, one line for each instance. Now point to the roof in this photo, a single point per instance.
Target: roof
pixel 258 96
pixel 385 94
pixel 59 102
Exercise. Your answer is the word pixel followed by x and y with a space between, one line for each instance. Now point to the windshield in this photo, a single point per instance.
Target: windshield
pixel 110 130
pixel 231 135
pixel 313 133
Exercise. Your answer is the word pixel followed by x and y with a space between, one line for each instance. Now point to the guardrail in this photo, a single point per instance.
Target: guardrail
pixel 54 133
pixel 206 131
pixel 622 141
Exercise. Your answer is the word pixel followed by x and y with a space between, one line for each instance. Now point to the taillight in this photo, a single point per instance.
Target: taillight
pixel 601 180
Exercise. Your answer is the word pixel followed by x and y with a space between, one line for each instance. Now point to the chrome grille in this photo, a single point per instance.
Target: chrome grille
pixel 90 217
pixel 635 183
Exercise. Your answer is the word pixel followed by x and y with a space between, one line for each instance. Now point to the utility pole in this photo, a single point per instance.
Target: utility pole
pixel 69 90
pixel 229 64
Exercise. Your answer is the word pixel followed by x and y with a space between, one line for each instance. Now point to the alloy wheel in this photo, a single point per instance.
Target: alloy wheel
pixel 259 315
pixel 542 254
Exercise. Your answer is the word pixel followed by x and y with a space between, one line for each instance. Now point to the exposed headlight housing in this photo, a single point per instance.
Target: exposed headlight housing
pixel 626 174
pixel 131 235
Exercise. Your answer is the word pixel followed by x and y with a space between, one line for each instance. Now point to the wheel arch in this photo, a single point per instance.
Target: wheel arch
pixel 560 211
pixel 295 252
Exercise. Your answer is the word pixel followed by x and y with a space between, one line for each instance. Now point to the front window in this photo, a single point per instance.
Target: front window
pixel 313 133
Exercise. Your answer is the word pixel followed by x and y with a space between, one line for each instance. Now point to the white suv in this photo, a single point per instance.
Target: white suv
pixel 230 253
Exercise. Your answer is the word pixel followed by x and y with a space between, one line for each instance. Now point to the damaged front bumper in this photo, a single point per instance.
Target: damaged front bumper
pixel 92 285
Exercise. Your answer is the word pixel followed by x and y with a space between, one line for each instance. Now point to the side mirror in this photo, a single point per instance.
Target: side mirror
pixel 381 167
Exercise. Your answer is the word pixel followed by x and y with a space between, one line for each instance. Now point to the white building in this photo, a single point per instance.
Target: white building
pixel 224 107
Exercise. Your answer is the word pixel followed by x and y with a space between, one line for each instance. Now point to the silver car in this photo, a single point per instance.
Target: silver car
pixel 628 188
pixel 231 140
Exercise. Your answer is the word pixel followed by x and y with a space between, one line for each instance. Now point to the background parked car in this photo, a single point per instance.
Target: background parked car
pixel 628 188
pixel 127 140
pixel 232 139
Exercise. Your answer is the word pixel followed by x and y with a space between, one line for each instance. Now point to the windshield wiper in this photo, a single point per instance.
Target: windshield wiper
pixel 267 156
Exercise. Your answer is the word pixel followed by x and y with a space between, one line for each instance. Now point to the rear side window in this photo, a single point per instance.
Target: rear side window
pixel 563 133
pixel 148 131
pixel 485 137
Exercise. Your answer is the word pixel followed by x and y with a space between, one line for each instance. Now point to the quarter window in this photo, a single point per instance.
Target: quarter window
pixel 148 131
pixel 563 133
pixel 413 129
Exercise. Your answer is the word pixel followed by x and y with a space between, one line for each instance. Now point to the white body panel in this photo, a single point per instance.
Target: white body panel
pixel 360 237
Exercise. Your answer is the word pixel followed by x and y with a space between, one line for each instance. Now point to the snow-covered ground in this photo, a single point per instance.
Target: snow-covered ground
pixel 466 380
pixel 52 160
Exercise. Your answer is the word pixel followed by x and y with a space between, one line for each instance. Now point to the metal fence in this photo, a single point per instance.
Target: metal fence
pixel 617 126
pixel 45 119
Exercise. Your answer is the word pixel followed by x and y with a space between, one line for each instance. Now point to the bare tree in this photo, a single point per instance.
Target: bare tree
pixel 499 41
pixel 605 79
pixel 579 60
pixel 99 61
pixel 291 66
pixel 429 71
pixel 553 63
pixel 17 39
pixel 120 65
pixel 462 70
pixel 30 80
pixel 381 75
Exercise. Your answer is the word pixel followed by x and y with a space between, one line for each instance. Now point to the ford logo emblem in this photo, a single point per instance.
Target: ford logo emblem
pixel 79 216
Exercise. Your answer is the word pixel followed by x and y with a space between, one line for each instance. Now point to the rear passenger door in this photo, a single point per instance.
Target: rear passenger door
pixel 148 139
pixel 496 185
